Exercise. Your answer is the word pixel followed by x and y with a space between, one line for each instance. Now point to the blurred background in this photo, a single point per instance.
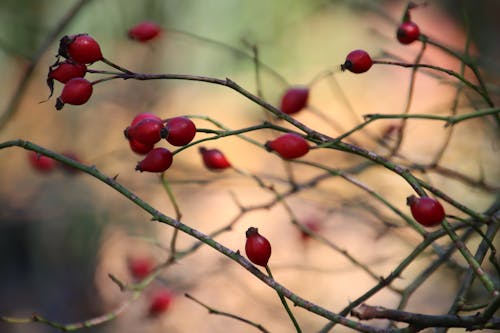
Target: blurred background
pixel 61 234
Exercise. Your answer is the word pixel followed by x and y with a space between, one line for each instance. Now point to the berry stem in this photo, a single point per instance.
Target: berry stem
pixel 285 304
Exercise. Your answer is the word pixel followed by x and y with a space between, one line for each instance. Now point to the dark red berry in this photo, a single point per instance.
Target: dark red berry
pixel 76 91
pixel 160 302
pixel 311 225
pixel 357 61
pixel 140 267
pixel 408 32
pixel 157 160
pixel 140 148
pixel 180 131
pixel 142 116
pixel 257 247
pixel 41 162
pixel 147 131
pixel 214 159
pixel 66 71
pixel 80 48
pixel 426 211
pixel 68 168
pixel 294 100
pixel 289 146
pixel 144 31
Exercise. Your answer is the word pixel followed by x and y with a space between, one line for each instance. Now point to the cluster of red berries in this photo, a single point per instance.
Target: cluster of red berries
pixel 45 164
pixel 79 51
pixel 147 129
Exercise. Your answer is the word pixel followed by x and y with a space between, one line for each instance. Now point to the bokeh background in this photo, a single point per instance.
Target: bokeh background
pixel 61 234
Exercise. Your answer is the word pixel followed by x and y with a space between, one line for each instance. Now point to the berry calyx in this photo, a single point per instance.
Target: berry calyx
pixel 408 32
pixel 357 61
pixel 288 146
pixel 41 162
pixel 294 99
pixel 179 131
pixel 80 48
pixel 214 159
pixel 76 91
pixel 147 131
pixel 426 211
pixel 140 267
pixel 66 71
pixel 157 160
pixel 257 247
pixel 144 31
pixel 160 302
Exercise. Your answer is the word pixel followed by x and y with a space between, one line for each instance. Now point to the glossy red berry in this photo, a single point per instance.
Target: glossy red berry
pixel 408 32
pixel 426 211
pixel 157 160
pixel 140 267
pixel 147 131
pixel 180 131
pixel 161 300
pixel 357 61
pixel 257 247
pixel 142 116
pixel 294 100
pixel 289 146
pixel 140 148
pixel 76 91
pixel 66 71
pixel 144 31
pixel 80 48
pixel 41 162
pixel 214 159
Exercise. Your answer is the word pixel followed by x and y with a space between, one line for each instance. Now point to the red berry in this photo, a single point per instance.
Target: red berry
pixel 160 302
pixel 142 116
pixel 157 160
pixel 67 70
pixel 312 225
pixel 80 48
pixel 76 91
pixel 257 247
pixel 140 267
pixel 140 148
pixel 146 131
pixel 294 99
pixel 407 32
pixel 357 61
pixel 426 211
pixel 214 159
pixel 144 31
pixel 41 162
pixel 180 131
pixel 289 146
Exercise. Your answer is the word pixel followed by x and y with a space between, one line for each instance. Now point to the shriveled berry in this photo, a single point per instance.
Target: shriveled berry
pixel 66 71
pixel 161 300
pixel 140 148
pixel 214 159
pixel 294 99
pixel 157 160
pixel 80 48
pixel 289 146
pixel 144 31
pixel 257 247
pixel 357 61
pixel 426 211
pixel 180 131
pixel 408 32
pixel 41 162
pixel 140 267
pixel 147 131
pixel 76 91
